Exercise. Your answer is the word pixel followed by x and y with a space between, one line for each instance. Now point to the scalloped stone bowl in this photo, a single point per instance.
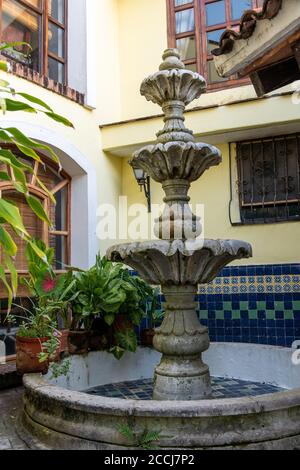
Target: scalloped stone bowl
pixel 61 416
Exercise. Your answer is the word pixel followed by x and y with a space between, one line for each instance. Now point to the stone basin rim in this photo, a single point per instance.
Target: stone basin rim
pixel 187 248
pixel 36 384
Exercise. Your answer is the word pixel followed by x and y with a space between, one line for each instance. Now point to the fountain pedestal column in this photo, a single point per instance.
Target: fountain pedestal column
pixel 181 374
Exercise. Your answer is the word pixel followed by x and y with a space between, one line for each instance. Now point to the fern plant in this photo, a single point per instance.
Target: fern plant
pixel 144 440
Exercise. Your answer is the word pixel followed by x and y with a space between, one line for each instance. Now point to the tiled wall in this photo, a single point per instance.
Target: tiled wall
pixel 253 304
pixel 256 304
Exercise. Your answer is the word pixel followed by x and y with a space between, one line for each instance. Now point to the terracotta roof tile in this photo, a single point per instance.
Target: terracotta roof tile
pixel 247 26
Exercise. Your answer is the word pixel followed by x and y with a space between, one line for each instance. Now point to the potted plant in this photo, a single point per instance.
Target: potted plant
pixel 37 341
pixel 51 292
pixel 109 305
pixel 97 297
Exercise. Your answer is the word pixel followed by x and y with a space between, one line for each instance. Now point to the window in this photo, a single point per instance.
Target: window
pixel 269 179
pixel 195 28
pixel 57 236
pixel 43 25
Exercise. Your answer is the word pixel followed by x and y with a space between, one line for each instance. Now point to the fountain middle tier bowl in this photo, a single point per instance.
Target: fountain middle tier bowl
pixel 177 160
pixel 179 262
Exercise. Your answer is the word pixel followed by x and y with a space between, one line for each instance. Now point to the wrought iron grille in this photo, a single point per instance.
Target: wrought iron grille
pixel 269 179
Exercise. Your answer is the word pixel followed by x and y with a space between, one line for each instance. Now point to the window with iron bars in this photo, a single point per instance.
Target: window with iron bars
pixel 269 179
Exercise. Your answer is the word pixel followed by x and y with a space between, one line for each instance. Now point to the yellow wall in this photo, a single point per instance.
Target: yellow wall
pixel 130 36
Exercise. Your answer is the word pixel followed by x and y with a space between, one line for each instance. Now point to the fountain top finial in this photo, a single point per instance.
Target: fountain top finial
pixel 171 60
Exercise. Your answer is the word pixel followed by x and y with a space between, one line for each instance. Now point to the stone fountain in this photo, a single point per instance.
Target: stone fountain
pixel 63 414
pixel 179 260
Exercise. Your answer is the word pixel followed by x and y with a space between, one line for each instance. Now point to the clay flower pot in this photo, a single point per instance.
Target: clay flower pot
pixel 147 336
pixel 27 350
pixel 78 342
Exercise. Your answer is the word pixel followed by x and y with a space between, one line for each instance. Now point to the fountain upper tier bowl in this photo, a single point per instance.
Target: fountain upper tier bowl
pixel 179 262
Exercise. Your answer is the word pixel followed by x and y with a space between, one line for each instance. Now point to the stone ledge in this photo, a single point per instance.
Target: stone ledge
pixel 41 80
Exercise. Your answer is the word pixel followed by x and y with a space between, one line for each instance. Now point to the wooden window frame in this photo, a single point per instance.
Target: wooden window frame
pixel 200 33
pixel 44 197
pixel 45 20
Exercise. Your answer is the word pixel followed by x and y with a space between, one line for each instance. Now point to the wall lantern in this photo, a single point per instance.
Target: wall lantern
pixel 143 181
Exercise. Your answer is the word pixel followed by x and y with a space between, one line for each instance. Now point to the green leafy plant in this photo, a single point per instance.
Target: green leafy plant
pixel 59 369
pixel 108 291
pixel 144 440
pixel 38 324
pixel 53 293
pixel 10 217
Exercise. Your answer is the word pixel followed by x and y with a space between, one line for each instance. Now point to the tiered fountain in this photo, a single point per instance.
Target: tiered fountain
pixel 180 260
pixel 65 415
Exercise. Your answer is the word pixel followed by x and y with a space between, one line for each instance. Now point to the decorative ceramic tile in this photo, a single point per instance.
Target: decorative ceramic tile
pixel 222 388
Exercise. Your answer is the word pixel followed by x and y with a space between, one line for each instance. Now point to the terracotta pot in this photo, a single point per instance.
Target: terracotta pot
pixel 147 336
pixel 78 342
pixel 27 350
pixel 63 348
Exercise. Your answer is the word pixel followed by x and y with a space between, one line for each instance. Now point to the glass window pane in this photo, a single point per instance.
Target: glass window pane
pixel 56 70
pixel 20 24
pixel 213 76
pixel 56 9
pixel 58 211
pixel 59 243
pixel 56 40
pixel 185 21
pixel 215 13
pixel 192 67
pixel 213 39
pixel 187 48
pixel 238 7
pixel 178 3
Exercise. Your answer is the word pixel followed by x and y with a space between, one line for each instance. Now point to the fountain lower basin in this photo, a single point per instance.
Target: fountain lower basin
pixel 61 416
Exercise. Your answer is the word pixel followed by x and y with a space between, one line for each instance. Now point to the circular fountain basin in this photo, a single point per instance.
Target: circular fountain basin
pixel 61 415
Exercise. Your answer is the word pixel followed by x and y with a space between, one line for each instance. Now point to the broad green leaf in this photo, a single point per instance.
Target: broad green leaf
pixel 3 66
pixel 127 340
pixel 109 319
pixel 44 188
pixel 37 208
pixel 13 274
pixel 60 119
pixel 20 187
pixel 117 352
pixel 4 83
pixel 11 45
pixel 11 215
pixel 29 152
pixel 7 242
pixel 38 251
pixel 7 286
pixel 6 156
pixel 20 176
pixel 35 100
pixel 14 105
pixel 27 142
pixel 4 176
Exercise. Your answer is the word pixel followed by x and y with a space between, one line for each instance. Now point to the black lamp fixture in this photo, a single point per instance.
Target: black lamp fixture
pixel 143 181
